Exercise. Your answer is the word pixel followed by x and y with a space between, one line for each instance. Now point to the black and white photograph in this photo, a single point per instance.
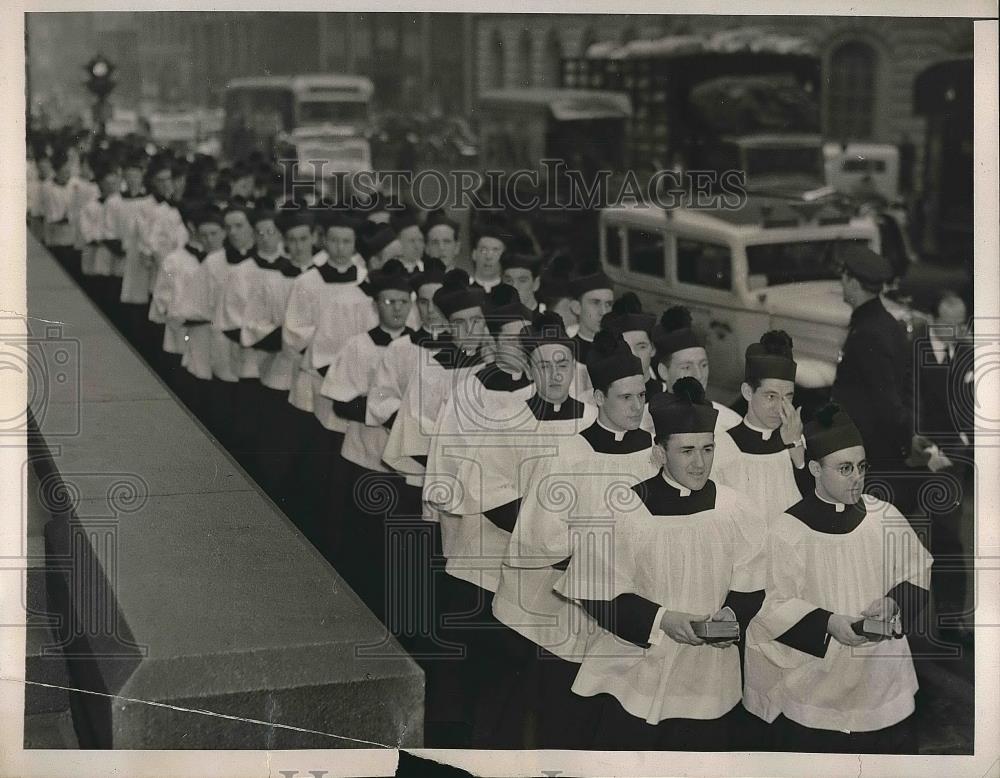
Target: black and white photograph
pixel 471 392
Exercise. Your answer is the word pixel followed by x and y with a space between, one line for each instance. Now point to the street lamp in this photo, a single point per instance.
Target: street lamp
pixel 100 83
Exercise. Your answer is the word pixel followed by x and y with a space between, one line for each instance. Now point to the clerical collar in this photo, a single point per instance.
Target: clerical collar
pixel 605 441
pixel 663 496
pixel 543 410
pixel 331 274
pixel 618 436
pixel 383 337
pixel 195 251
pixel 428 340
pixel 765 434
pixel 452 357
pixel 682 490
pixel 828 517
pixel 581 336
pixel 486 286
pixel 839 506
pixel 234 256
pixel 270 258
pixel 496 379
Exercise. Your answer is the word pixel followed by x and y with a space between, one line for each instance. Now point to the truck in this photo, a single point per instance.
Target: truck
pixel 279 114
pixel 518 128
pixel 690 91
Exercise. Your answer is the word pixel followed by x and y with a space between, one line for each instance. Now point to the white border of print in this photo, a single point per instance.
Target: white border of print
pixel 14 761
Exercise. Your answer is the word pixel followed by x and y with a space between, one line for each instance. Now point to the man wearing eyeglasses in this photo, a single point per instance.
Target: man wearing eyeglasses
pixel 847 575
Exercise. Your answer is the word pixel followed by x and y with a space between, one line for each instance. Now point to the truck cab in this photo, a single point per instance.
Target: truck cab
pixel 741 272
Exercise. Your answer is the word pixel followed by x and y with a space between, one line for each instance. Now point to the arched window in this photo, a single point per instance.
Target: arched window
pixel 525 60
pixel 553 54
pixel 851 93
pixel 497 74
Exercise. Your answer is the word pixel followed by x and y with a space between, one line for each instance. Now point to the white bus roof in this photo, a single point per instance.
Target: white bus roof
pixel 745 223
pixel 304 84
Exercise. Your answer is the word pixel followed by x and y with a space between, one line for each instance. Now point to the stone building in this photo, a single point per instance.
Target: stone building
pixel 869 64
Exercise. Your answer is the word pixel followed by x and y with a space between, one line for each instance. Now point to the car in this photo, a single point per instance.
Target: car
pixel 325 150
pixel 770 264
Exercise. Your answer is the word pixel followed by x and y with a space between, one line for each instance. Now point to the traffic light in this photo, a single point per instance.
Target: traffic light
pixel 100 76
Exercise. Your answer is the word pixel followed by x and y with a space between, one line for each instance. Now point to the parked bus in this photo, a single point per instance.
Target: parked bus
pixel 262 111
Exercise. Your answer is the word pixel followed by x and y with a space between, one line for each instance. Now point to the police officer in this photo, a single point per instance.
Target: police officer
pixel 873 374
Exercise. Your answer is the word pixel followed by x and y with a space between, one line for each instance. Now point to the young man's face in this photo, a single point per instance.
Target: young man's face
pixel 486 257
pixel 524 282
pixel 686 362
pixel 163 184
pixel 268 237
pixel 592 307
pixel 242 187
pixel 299 244
pixel 468 328
pixel 63 172
pixel 766 400
pixel 689 458
pixel 239 230
pixel 393 307
pixel 211 236
pixel 641 346
pixel 553 369
pixel 133 178
pixel 622 405
pixel 339 244
pixel 508 346
pixel 110 184
pixel 431 317
pixel 412 241
pixel 951 312
pixel 442 244
pixel 841 475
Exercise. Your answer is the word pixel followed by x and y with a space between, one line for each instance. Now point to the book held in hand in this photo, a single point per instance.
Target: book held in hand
pixel 877 629
pixel 716 631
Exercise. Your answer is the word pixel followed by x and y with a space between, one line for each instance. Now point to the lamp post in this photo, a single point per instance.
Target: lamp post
pixel 100 83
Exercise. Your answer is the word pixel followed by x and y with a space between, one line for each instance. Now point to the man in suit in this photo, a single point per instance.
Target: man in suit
pixel 872 383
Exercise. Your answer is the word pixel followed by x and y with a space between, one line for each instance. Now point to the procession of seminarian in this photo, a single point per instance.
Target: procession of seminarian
pixel 624 562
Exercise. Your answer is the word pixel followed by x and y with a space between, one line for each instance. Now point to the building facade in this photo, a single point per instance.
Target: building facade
pixel 869 64
pixel 173 59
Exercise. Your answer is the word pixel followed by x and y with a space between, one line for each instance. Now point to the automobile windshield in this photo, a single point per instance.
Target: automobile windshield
pixel 789 263
pixel 320 111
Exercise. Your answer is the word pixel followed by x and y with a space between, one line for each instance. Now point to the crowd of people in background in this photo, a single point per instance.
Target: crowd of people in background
pixel 520 473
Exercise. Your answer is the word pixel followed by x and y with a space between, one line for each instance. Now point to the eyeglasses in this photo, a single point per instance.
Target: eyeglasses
pixel 847 468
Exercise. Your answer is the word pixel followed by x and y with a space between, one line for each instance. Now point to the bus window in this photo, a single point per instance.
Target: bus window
pixel 321 111
pixel 613 246
pixel 704 264
pixel 646 253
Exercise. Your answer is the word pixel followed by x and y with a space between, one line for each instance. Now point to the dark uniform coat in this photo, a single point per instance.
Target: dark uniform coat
pixel 873 382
